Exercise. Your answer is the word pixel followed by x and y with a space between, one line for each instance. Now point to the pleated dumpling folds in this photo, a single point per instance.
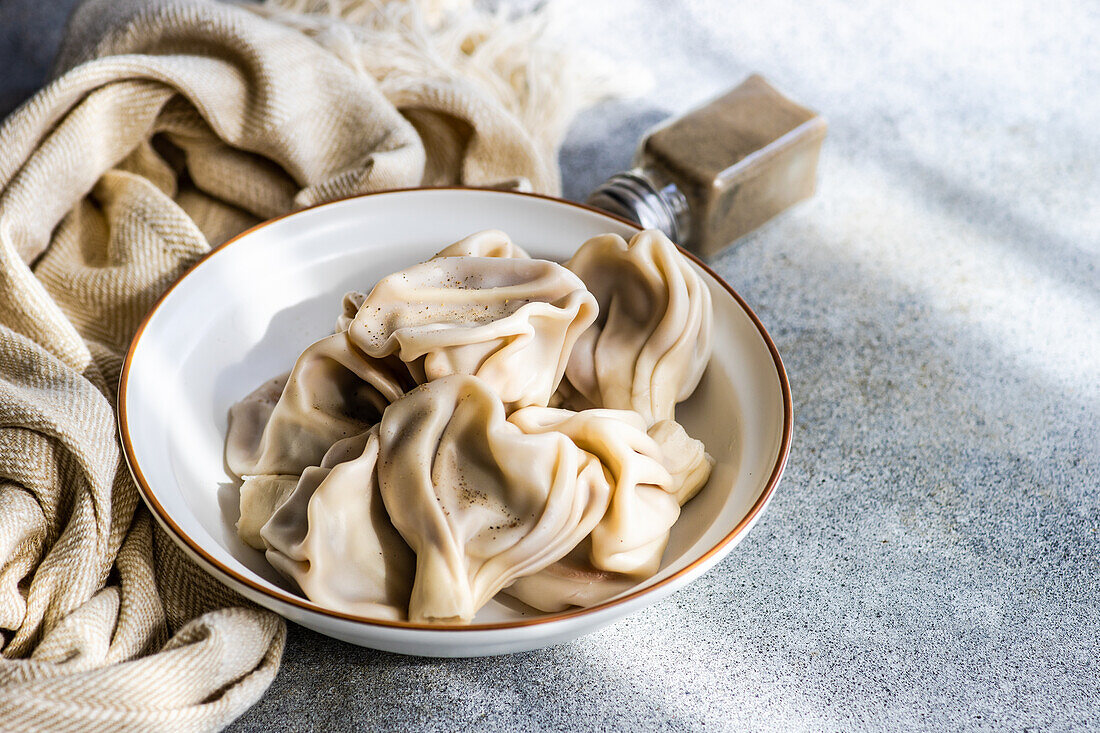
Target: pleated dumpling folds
pixel 488 243
pixel 332 536
pixel 511 321
pixel 631 536
pixel 634 532
pixel 651 342
pixel 480 501
pixel 652 473
pixel 334 391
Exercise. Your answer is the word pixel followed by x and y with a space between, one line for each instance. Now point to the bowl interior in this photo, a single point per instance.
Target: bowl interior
pixel 245 313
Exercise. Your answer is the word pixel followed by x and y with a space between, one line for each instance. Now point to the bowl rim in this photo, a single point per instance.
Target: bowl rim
pixel 182 537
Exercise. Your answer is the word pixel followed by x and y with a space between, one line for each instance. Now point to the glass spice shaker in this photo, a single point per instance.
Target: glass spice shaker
pixel 714 174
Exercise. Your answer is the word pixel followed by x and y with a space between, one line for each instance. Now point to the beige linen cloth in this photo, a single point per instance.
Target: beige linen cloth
pixel 169 127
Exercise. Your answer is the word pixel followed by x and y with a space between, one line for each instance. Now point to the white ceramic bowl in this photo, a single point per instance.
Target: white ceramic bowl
pixel 247 309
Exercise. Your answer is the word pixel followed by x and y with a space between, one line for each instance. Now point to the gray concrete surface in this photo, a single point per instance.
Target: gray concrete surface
pixel 931 560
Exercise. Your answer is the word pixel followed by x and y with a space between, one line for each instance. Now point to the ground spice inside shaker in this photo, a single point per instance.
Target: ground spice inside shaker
pixel 719 171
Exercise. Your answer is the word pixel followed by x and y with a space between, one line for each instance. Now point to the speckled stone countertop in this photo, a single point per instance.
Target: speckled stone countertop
pixel 931 560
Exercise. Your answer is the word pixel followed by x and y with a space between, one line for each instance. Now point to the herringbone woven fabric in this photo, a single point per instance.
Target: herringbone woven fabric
pixel 170 126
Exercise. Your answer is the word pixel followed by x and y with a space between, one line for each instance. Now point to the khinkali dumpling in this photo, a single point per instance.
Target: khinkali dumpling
pixel 480 501
pixel 332 535
pixel 630 538
pixel 576 580
pixel 509 321
pixel 488 243
pixel 651 342
pixel 333 392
